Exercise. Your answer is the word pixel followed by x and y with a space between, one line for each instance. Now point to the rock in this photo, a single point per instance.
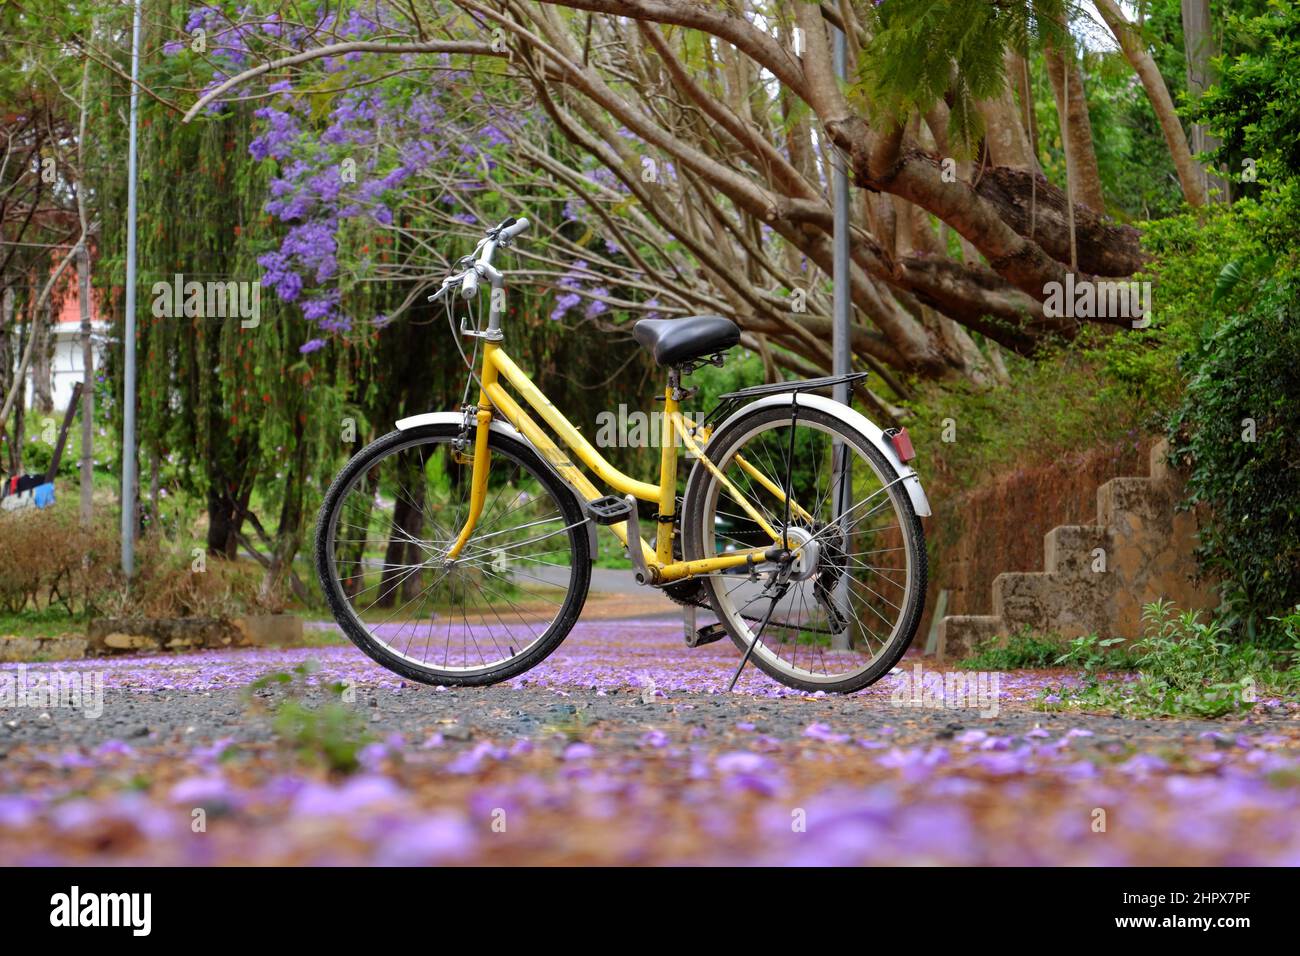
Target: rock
pixel 65 647
pixel 270 630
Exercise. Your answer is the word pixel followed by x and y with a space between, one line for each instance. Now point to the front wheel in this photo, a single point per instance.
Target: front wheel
pixel 857 589
pixel 501 607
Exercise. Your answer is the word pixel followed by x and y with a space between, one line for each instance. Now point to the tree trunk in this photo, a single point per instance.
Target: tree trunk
pixel 397 553
pixel 154 467
pixel 87 393
pixel 288 532
pixel 1076 129
pixel 223 524
pixel 6 364
pixel 42 385
pixel 1190 175
pixel 1004 134
pixel 1200 47
pixel 1018 76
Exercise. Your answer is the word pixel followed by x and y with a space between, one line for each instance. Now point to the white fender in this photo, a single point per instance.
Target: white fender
pixel 855 420
pixel 501 427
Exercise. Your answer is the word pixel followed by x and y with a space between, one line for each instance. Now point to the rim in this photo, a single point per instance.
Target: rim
pixel 495 604
pixel 848 604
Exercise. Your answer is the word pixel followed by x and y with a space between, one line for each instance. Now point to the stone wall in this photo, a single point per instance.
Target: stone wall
pixel 999 525
pixel 1095 567
pixel 106 636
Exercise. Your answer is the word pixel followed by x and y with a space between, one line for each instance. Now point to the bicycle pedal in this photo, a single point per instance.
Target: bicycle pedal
pixel 609 510
pixel 706 635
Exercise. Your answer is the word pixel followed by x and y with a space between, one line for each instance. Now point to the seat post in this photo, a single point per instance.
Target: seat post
pixel 675 389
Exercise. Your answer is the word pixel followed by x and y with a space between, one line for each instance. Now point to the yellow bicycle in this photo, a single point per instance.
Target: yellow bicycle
pixel 458 548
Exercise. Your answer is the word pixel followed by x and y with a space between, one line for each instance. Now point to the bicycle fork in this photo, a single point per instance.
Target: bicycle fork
pixel 478 478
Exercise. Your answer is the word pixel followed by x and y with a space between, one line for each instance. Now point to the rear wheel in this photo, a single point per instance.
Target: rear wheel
pixel 501 607
pixel 857 591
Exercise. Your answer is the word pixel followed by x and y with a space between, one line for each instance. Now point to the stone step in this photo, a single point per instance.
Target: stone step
pixel 1022 598
pixel 1126 503
pixel 961 634
pixel 1052 603
pixel 1068 549
pixel 1159 461
pixel 22 649
pixel 1146 541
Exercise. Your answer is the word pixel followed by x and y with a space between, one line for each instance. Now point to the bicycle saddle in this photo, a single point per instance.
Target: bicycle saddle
pixel 673 341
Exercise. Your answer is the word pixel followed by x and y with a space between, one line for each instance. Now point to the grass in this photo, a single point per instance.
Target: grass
pixel 1185 668
pixel 47 622
pixel 1024 649
pixel 1056 407
pixel 329 734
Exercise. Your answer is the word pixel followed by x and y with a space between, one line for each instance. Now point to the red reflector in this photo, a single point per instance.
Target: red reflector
pixel 902 444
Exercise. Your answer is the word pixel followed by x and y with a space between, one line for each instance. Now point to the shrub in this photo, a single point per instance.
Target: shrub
pixel 1186 668
pixel 1238 429
pixel 48 561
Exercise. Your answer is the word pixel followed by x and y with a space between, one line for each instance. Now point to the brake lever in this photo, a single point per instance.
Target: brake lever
pixel 447 283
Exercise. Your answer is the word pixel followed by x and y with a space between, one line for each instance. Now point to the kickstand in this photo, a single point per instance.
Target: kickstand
pixel 758 634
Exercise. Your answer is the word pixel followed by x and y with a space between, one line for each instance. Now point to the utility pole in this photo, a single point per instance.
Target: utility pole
pixel 842 306
pixel 128 337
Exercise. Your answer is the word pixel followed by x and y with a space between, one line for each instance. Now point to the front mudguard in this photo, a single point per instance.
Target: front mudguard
pixel 501 427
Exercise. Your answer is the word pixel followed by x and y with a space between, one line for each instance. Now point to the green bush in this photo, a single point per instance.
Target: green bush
pixel 1253 107
pixel 1055 406
pixel 1238 427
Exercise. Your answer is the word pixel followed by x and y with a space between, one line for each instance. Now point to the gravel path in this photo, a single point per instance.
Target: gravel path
pixel 621 749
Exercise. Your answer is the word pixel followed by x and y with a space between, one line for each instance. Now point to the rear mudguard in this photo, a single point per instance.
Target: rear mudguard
pixel 501 428
pixel 854 419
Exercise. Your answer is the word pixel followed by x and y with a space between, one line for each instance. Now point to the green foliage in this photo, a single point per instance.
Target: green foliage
pixel 1237 427
pixel 1254 107
pixel 1022 649
pixel 1028 649
pixel 1191 297
pixel 1186 668
pixel 1137 173
pixel 329 734
pixel 920 50
pixel 1094 654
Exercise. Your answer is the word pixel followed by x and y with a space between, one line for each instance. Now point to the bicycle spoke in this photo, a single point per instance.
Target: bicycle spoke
pixel 503 593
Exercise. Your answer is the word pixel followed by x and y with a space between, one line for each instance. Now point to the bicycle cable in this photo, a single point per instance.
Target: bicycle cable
pixel 468 360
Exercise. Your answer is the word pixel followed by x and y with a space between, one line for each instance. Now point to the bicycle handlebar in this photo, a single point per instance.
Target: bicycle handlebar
pixel 511 228
pixel 482 256
pixel 469 284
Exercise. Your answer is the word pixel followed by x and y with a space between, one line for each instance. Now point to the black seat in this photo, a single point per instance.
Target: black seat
pixel 673 341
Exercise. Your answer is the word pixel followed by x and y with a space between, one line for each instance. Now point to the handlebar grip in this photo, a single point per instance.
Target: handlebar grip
pixel 469 285
pixel 513 229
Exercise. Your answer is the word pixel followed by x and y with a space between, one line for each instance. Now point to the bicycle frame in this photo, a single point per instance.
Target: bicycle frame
pixel 493 398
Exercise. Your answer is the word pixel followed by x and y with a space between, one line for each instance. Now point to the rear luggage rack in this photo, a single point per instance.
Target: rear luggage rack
pixel 805 385
pixel 730 400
